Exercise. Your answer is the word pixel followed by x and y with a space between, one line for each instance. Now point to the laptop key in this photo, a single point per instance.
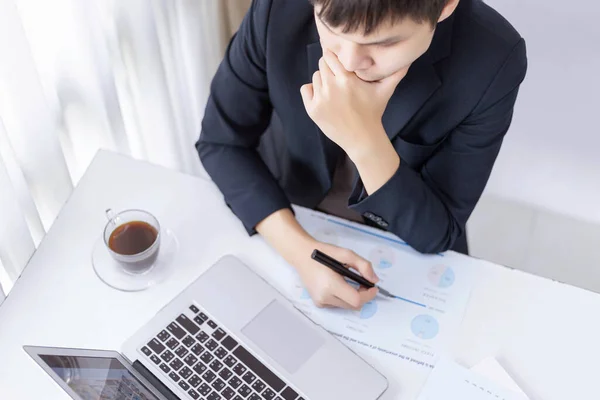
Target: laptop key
pixel 185 372
pixel 199 368
pixel 188 341
pixel 254 396
pixel 225 373
pixel 190 360
pixel 198 320
pixel 172 343
pixel 176 364
pixel 165 368
pixel 249 377
pixel 268 394
pixel 202 336
pixel 259 368
pixel 163 335
pixel 181 351
pixel 220 353
pixel 184 385
pixel 206 357
pixel 195 381
pixel 214 396
pixel 218 385
pixel 209 376
pixel 194 309
pixel 155 359
pixel 188 324
pixel 216 365
pixel 176 330
pixel 174 376
pixel 259 386
pixel 156 346
pixel 146 351
pixel 193 394
pixel 235 382
pixel 167 356
pixel 211 324
pixel 204 389
pixel 229 343
pixel 197 349
pixel 230 361
pixel 211 345
pixel 219 334
pixel 238 397
pixel 244 391
pixel 228 393
pixel 289 394
pixel 239 369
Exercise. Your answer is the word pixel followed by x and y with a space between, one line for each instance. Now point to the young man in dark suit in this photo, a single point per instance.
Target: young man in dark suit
pixel 388 112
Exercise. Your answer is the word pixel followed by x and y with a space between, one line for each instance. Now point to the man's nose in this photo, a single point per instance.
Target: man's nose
pixel 353 58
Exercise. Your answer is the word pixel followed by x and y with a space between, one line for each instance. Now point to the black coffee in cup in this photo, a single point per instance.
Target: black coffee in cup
pixel 132 237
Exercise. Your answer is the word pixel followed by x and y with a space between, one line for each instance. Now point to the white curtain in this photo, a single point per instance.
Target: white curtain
pixel 77 75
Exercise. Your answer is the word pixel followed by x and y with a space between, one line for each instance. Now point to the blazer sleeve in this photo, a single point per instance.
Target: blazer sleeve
pixel 429 208
pixel 237 113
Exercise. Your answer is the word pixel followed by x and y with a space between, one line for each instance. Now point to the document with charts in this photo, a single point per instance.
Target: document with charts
pixel 434 288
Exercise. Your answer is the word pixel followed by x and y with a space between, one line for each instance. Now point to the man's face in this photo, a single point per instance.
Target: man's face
pixel 390 48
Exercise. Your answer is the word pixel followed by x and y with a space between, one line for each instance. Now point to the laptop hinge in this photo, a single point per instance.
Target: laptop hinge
pixel 165 391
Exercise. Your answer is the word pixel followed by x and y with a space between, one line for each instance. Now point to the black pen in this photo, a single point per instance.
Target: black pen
pixel 346 272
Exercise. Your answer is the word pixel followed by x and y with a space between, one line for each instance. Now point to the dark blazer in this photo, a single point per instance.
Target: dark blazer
pixel 447 119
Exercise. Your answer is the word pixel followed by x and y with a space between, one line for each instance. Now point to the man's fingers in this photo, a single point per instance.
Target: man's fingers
pixel 353 260
pixel 348 294
pixel 334 63
pixel 337 302
pixel 307 93
pixel 367 295
pixel 326 72
pixel 317 81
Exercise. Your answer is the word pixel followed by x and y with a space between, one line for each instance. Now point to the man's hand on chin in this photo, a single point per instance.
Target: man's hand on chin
pixel 347 109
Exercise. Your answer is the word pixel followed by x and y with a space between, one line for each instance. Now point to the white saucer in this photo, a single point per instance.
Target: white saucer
pixel 113 274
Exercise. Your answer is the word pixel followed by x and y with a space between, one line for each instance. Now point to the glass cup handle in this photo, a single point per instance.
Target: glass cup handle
pixel 111 216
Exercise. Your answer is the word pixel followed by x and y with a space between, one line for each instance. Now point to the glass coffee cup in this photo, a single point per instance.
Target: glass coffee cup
pixel 132 237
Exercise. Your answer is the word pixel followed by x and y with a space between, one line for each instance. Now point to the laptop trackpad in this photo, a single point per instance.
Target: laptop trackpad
pixel 286 337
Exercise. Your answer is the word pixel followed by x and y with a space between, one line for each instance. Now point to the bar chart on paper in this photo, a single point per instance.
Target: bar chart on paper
pixel 432 290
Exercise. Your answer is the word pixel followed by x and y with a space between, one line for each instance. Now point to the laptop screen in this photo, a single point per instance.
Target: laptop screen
pixel 97 378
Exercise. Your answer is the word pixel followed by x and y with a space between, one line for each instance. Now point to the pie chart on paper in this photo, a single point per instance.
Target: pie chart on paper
pixel 441 276
pixel 425 327
pixel 382 257
pixel 368 310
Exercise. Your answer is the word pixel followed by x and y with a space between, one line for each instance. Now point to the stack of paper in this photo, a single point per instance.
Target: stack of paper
pixel 451 381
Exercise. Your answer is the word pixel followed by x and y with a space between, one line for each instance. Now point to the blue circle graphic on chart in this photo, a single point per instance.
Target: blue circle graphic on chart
pixel 441 276
pixel 382 257
pixel 368 310
pixel 425 326
pixel 305 295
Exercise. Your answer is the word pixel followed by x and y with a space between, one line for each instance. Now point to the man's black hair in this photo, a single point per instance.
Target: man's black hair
pixel 368 15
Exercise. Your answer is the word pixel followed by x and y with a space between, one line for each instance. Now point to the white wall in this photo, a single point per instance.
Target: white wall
pixel 541 209
pixel 551 156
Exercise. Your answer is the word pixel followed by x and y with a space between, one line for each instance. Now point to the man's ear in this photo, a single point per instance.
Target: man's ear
pixel 448 9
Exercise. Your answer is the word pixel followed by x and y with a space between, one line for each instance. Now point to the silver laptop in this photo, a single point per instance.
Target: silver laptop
pixel 229 335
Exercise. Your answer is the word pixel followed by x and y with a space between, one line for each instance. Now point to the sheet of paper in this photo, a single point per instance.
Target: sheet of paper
pixel 491 369
pixel 434 288
pixel 451 381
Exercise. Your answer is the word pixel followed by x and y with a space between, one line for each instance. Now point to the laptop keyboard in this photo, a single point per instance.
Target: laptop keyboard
pixel 207 363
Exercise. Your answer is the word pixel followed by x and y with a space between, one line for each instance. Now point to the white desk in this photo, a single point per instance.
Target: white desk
pixel 545 333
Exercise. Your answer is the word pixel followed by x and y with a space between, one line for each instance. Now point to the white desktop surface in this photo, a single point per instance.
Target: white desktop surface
pixel 546 334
